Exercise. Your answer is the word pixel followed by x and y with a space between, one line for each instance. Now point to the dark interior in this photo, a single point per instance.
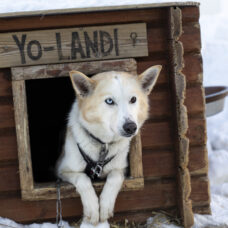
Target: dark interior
pixel 49 102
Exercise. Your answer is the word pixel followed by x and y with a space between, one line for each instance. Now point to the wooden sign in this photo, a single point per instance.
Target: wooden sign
pixel 73 44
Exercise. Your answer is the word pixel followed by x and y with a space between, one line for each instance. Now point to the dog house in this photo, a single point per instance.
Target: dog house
pixel 168 167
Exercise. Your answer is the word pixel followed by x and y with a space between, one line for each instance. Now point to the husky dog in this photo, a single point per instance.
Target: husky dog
pixel 108 111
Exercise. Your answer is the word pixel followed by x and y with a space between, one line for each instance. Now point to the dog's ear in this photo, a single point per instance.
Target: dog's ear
pixel 82 84
pixel 149 77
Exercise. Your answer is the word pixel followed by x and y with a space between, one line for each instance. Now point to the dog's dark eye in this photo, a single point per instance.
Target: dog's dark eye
pixel 133 100
pixel 109 101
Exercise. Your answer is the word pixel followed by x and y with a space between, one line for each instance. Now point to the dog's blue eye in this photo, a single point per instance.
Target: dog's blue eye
pixel 109 101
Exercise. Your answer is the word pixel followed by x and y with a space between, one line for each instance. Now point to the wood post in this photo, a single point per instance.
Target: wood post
pixel 178 86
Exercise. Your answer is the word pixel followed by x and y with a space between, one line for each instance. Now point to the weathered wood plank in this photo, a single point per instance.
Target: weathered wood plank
pixel 156 164
pixel 160 163
pixel 9 177
pixel 8 147
pixel 160 105
pixel 178 85
pixel 23 144
pixel 160 134
pixel 73 44
pixel 200 191
pixel 156 135
pixel 135 157
pixel 58 21
pixel 5 83
pixel 198 160
pixel 156 194
pixel 197 132
pixel 6 116
pixel 195 101
pixel 193 67
pixel 62 70
pixel 145 63
pixel 190 38
pixel 97 9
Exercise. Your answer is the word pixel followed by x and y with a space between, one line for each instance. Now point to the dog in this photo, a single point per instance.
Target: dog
pixel 108 111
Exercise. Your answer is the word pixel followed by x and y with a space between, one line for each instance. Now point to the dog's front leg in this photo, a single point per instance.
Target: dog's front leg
pixel 87 193
pixel 110 191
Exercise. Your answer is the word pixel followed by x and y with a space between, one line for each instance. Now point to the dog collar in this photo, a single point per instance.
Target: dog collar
pixel 93 137
pixel 94 169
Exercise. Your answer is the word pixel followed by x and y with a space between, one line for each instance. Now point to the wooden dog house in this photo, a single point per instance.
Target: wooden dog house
pixel 168 163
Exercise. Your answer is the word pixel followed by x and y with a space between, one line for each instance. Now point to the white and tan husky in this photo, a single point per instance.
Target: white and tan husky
pixel 109 110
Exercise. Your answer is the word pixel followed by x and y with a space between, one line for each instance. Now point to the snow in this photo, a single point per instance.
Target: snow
pixel 214 30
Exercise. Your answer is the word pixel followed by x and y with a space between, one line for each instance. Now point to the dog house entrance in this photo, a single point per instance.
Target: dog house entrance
pixel 43 96
pixel 48 103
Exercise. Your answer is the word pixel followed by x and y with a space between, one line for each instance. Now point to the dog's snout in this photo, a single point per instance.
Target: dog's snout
pixel 130 128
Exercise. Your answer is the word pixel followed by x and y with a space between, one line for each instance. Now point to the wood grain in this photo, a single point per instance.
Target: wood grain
pixel 156 195
pixel 135 157
pixel 23 144
pixel 73 44
pixel 9 177
pixel 8 147
pixel 62 70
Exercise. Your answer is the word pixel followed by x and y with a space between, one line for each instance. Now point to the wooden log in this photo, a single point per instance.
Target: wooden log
pixel 6 116
pixel 198 160
pixel 193 67
pixel 160 106
pixel 195 101
pixel 135 157
pixel 160 163
pixel 178 85
pixel 191 39
pixel 156 194
pixel 5 83
pixel 62 70
pixel 9 176
pixel 145 63
pixel 8 147
pixel 190 15
pixel 23 143
pixel 58 21
pixel 155 135
pixel 156 164
pixel 197 131
pixel 200 191
pixel 159 134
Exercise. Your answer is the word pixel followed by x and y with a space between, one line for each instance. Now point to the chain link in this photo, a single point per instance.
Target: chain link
pixel 59 220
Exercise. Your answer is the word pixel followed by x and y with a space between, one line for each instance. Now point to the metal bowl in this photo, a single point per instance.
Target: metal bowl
pixel 215 98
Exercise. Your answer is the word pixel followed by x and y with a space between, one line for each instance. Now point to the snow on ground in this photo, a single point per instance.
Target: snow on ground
pixel 214 29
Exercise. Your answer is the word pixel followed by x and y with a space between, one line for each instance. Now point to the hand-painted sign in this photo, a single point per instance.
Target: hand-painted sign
pixel 73 44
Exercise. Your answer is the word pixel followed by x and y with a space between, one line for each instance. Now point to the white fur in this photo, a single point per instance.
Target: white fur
pixel 70 167
pixel 100 225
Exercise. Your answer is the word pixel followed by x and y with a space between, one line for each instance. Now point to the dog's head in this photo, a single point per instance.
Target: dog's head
pixel 114 104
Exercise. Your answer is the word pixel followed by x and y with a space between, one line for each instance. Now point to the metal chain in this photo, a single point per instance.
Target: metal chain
pixel 59 220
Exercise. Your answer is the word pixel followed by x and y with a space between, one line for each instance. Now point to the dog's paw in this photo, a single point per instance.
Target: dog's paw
pixel 91 213
pixel 100 225
pixel 106 209
pixel 103 225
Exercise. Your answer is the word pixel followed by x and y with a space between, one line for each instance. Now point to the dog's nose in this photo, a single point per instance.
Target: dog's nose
pixel 130 128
